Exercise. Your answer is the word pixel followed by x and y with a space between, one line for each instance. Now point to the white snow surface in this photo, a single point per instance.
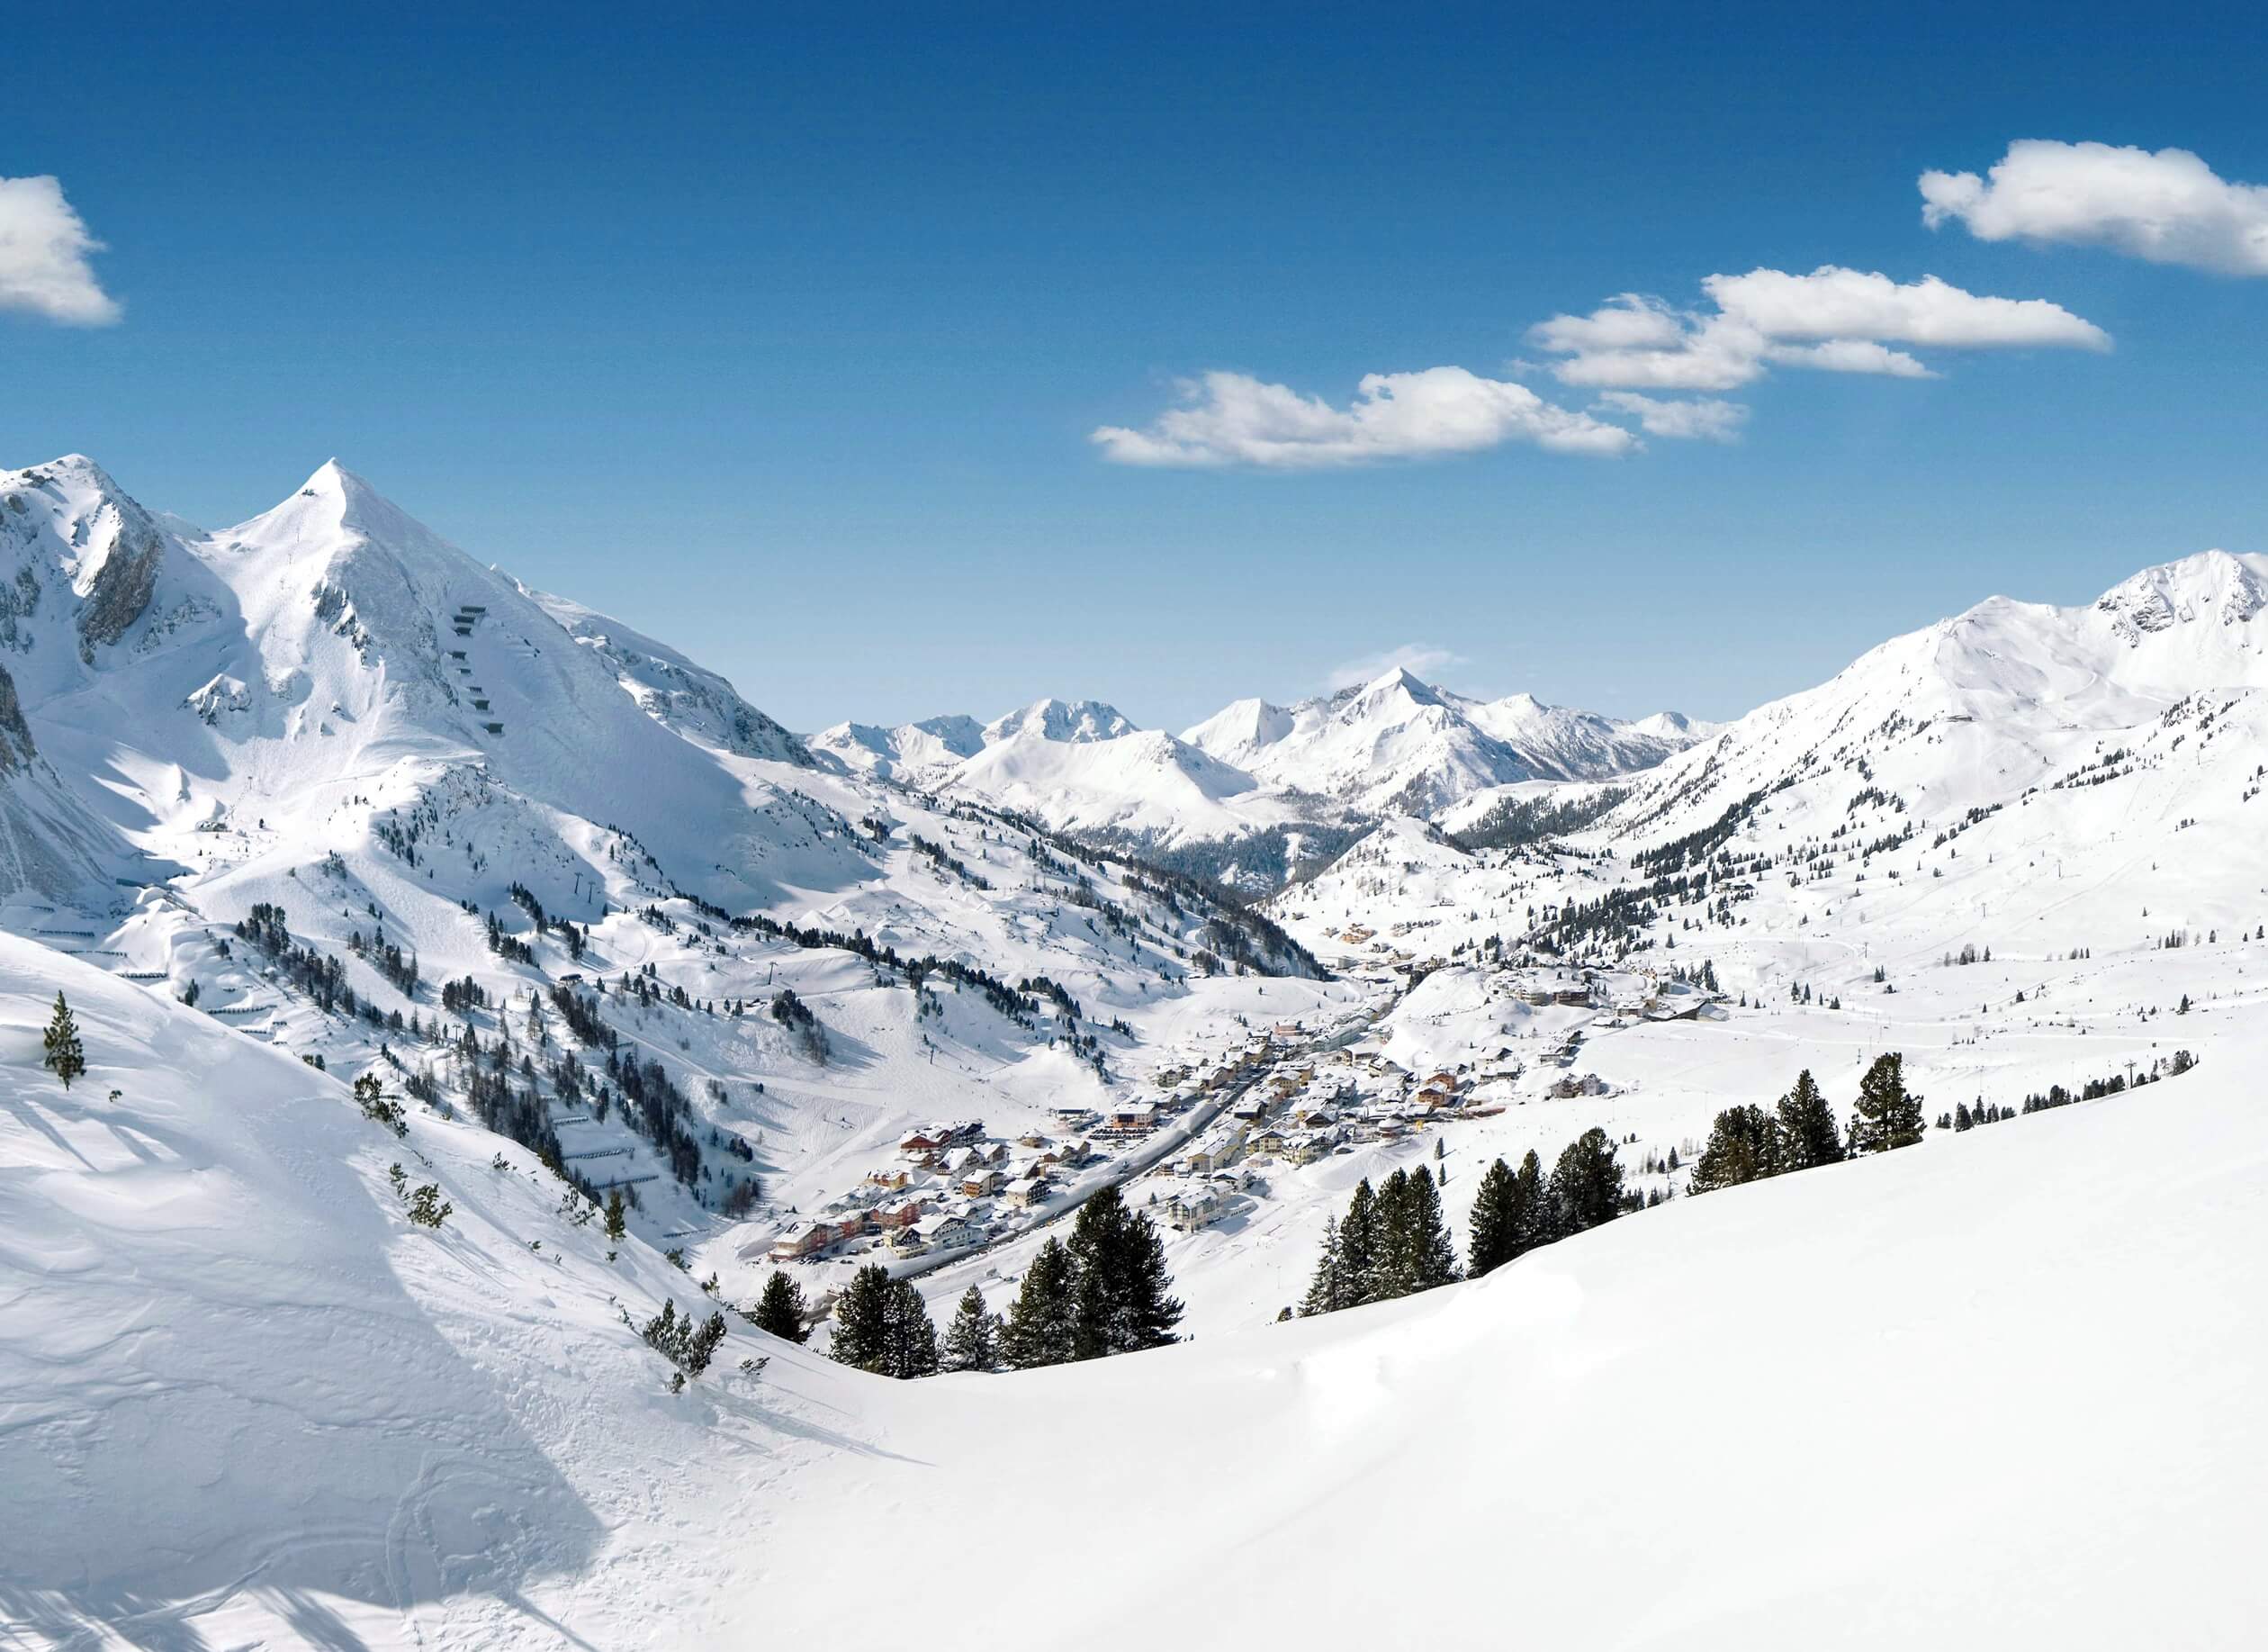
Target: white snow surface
pixel 1999 1391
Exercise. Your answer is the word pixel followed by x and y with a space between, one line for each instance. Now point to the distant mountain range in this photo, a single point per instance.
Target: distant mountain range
pixel 1256 789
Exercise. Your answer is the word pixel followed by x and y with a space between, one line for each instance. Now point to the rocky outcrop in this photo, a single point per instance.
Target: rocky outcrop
pixel 16 750
pixel 120 592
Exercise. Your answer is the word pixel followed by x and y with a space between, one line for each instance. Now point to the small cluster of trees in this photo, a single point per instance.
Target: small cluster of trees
pixel 424 1204
pixel 369 1095
pixel 882 1326
pixel 1392 1242
pixel 684 1343
pixel 1105 1292
pixel 1749 1144
pixel 1514 1211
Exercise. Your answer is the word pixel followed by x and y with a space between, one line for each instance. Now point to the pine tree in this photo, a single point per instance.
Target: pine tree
pixel 909 1340
pixel 972 1342
pixel 1496 1234
pixel 615 1225
pixel 1743 1146
pixel 1358 1237
pixel 1090 1307
pixel 1886 1114
pixel 1433 1257
pixel 1587 1185
pixel 780 1310
pixel 1808 1135
pixel 1393 1270
pixel 1043 1324
pixel 1120 1294
pixel 1144 1310
pixel 862 1320
pixel 65 1056
pixel 1331 1288
pixel 1531 1205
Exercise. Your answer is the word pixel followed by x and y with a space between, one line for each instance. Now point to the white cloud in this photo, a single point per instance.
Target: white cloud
pixel 1853 356
pixel 1707 354
pixel 1232 419
pixel 2168 206
pixel 1419 659
pixel 1837 319
pixel 1837 304
pixel 1698 419
pixel 43 256
pixel 1833 319
pixel 1626 321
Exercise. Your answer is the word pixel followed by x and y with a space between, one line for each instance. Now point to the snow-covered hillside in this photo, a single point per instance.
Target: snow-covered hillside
pixel 1998 1391
pixel 1874 1405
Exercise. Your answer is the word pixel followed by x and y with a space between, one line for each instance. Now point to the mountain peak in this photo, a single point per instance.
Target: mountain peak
pixel 356 496
pixel 2212 585
pixel 1061 720
pixel 1401 677
pixel 1397 683
pixel 335 512
pixel 1240 729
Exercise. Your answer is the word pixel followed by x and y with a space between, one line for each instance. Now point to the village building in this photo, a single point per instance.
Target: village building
pixel 1194 1206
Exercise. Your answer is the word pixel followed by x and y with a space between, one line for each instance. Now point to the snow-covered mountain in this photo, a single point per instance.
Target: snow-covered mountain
pixel 1256 789
pixel 437 775
pixel 332 659
pixel 933 751
pixel 320 789
pixel 1401 744
pixel 914 752
pixel 1980 709
pixel 1061 722
pixel 2021 776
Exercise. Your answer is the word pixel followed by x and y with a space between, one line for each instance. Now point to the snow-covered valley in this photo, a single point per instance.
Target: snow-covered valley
pixel 320 798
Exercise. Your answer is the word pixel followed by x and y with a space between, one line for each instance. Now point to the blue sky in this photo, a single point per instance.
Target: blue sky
pixel 784 335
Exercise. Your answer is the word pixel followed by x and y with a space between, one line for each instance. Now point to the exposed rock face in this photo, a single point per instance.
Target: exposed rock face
pixel 16 750
pixel 121 592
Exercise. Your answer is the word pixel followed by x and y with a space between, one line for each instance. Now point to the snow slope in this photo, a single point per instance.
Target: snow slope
pixel 1996 1390
pixel 1873 1405
pixel 672 690
pixel 247 1403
